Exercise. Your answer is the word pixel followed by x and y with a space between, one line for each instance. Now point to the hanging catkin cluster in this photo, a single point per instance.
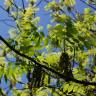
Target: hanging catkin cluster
pixel 65 65
pixel 37 76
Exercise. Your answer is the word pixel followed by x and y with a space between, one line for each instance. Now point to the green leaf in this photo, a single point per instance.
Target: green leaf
pixel 46 40
pixel 87 10
pixel 70 88
pixel 66 86
pixel 75 88
pixel 69 2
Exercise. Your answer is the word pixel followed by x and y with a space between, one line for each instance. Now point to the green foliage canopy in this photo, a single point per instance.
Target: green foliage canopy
pixel 69 48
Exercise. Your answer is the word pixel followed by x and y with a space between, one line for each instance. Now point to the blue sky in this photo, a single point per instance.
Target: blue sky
pixel 45 18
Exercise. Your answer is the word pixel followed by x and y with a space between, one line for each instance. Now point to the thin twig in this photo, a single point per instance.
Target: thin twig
pixel 88 4
pixel 39 3
pixel 23 5
pixel 2 20
pixel 14 4
pixel 9 24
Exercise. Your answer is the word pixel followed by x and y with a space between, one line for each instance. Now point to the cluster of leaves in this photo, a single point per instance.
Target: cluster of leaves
pixel 70 31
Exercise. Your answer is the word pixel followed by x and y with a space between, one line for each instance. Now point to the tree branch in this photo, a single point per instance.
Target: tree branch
pixel 23 5
pixel 45 67
pixel 88 5
pixel 39 3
